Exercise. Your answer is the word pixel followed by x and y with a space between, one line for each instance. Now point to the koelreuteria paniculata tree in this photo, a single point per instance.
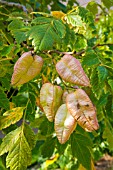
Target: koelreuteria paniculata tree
pixel 56 75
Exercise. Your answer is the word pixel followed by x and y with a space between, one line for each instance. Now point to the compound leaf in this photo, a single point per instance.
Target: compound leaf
pixel 46 32
pixel 19 155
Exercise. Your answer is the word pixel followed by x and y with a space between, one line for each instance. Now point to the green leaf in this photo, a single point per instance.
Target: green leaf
pixel 15 24
pixel 61 148
pixel 90 59
pixel 48 147
pixel 4 102
pixel 46 33
pixel 95 83
pixel 5 81
pixel 108 135
pixel 110 82
pixel 86 16
pixel 9 140
pixel 30 136
pixel 19 36
pixel 7 49
pixel 102 100
pixel 74 20
pixel 18 29
pixel 108 4
pixel 79 150
pixel 11 117
pixel 19 155
pixel 102 73
pixel 92 6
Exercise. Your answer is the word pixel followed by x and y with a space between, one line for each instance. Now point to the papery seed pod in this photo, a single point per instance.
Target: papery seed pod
pixel 64 124
pixel 82 109
pixel 50 99
pixel 65 93
pixel 26 68
pixel 70 70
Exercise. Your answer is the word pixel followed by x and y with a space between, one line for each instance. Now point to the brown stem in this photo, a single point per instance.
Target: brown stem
pixel 14 4
pixel 74 52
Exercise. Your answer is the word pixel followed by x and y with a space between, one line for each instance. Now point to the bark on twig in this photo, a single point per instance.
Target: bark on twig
pixel 74 52
pixel 14 4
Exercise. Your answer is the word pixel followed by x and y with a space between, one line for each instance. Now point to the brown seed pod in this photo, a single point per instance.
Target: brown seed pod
pixel 82 109
pixel 50 99
pixel 26 68
pixel 70 70
pixel 64 124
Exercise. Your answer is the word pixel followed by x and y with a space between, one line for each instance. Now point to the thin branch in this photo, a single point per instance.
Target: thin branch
pixel 14 4
pixel 74 52
pixel 3 59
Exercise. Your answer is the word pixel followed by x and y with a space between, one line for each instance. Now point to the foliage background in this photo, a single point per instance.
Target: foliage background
pixel 88 34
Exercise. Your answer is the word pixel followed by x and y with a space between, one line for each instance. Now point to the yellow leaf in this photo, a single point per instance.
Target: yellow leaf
pixel 82 168
pixel 12 105
pixel 51 160
pixel 11 117
pixel 58 14
pixel 44 79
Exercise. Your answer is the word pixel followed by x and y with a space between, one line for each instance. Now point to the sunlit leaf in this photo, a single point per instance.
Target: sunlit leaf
pixel 64 124
pixel 11 117
pixel 70 69
pixel 58 14
pixel 19 155
pixel 26 68
pixel 92 6
pixel 9 140
pixel 50 99
pixel 46 32
pixel 82 109
pixel 51 160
